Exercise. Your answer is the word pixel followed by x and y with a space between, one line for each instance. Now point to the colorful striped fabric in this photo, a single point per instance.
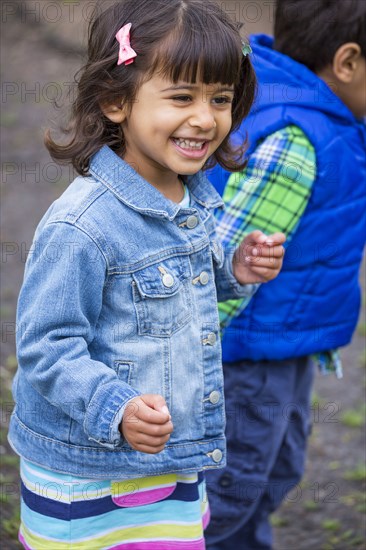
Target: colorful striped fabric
pixel 64 512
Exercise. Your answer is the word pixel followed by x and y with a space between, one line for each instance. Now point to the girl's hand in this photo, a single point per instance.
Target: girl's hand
pixel 259 257
pixel 146 424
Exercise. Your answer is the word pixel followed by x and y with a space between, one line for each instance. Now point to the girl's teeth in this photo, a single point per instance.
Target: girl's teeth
pixel 186 144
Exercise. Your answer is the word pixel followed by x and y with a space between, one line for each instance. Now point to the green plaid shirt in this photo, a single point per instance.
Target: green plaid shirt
pixel 271 195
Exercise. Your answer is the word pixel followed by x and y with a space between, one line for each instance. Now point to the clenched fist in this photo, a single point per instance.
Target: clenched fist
pixel 146 424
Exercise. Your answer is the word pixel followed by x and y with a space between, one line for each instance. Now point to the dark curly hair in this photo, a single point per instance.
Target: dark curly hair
pixel 176 38
pixel 311 31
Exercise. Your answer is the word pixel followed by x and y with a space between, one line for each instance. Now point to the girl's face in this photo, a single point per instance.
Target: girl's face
pixel 173 129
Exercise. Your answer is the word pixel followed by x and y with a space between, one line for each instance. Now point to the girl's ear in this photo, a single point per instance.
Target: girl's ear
pixel 345 61
pixel 115 113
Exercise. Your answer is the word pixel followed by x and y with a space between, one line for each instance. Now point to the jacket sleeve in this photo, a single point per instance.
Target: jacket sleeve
pixel 58 311
pixel 228 287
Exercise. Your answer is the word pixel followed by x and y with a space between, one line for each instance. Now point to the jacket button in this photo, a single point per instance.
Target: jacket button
pixel 168 280
pixel 214 397
pixel 204 278
pixel 226 480
pixel 211 337
pixel 192 222
pixel 217 455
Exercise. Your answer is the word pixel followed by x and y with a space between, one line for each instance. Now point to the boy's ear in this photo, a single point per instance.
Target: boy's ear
pixel 345 61
pixel 115 113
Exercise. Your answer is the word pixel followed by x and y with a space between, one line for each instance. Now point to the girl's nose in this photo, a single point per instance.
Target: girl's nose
pixel 203 118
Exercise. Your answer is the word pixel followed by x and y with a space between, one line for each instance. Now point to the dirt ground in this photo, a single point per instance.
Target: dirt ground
pixel 41 48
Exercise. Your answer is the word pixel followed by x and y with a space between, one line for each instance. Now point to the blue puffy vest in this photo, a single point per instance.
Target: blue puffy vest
pixel 313 304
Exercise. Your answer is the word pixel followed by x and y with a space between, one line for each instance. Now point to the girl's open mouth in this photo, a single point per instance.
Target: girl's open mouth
pixel 191 148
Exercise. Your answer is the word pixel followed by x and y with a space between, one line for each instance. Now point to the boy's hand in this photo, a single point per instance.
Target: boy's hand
pixel 146 424
pixel 259 257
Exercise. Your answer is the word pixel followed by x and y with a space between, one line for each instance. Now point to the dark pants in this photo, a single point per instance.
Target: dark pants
pixel 268 421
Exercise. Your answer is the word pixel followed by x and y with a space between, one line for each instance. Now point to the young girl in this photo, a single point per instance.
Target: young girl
pixel 118 340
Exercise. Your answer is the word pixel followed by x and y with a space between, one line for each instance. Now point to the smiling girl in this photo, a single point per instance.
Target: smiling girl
pixel 119 389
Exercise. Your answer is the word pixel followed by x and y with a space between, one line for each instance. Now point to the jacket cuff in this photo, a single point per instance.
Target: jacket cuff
pixel 228 287
pixel 105 412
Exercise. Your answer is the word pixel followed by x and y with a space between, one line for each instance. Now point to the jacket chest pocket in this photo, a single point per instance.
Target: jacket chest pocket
pixel 162 298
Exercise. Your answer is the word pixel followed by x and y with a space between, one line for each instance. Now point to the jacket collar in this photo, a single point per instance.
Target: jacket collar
pixel 134 191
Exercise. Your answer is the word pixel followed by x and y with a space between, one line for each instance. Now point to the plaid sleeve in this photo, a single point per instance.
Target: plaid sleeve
pixel 271 195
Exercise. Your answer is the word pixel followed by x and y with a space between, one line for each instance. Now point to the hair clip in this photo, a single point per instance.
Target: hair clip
pixel 126 53
pixel 246 49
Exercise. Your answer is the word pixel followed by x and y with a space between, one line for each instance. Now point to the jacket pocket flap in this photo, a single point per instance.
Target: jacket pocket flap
pixel 159 280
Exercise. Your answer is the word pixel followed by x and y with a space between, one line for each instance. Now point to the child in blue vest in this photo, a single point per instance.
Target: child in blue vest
pixel 119 391
pixel 305 177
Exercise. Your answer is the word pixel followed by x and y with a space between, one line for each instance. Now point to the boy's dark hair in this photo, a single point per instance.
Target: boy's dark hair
pixel 176 38
pixel 311 31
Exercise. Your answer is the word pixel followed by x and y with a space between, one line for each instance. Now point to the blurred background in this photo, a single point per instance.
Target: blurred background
pixel 42 46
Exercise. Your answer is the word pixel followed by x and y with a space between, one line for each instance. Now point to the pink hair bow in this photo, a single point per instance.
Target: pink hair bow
pixel 126 53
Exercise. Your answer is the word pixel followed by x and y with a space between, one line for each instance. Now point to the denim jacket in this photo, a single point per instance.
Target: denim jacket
pixel 118 300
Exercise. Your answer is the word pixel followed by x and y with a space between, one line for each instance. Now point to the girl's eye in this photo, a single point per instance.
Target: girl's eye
pixel 221 100
pixel 182 98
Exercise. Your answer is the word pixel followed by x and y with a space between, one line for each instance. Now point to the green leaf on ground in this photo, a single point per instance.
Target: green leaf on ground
pixel 361 329
pixel 354 418
pixel 362 359
pixel 311 506
pixel 9 460
pixel 357 474
pixel 331 524
pixel 11 362
pixel 316 400
pixel 347 534
pixel 334 465
pixel 277 521
pixel 11 525
pixel 9 119
pixel 6 312
pixel 353 499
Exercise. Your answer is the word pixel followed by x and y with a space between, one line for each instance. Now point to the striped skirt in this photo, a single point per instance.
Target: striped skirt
pixel 65 512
